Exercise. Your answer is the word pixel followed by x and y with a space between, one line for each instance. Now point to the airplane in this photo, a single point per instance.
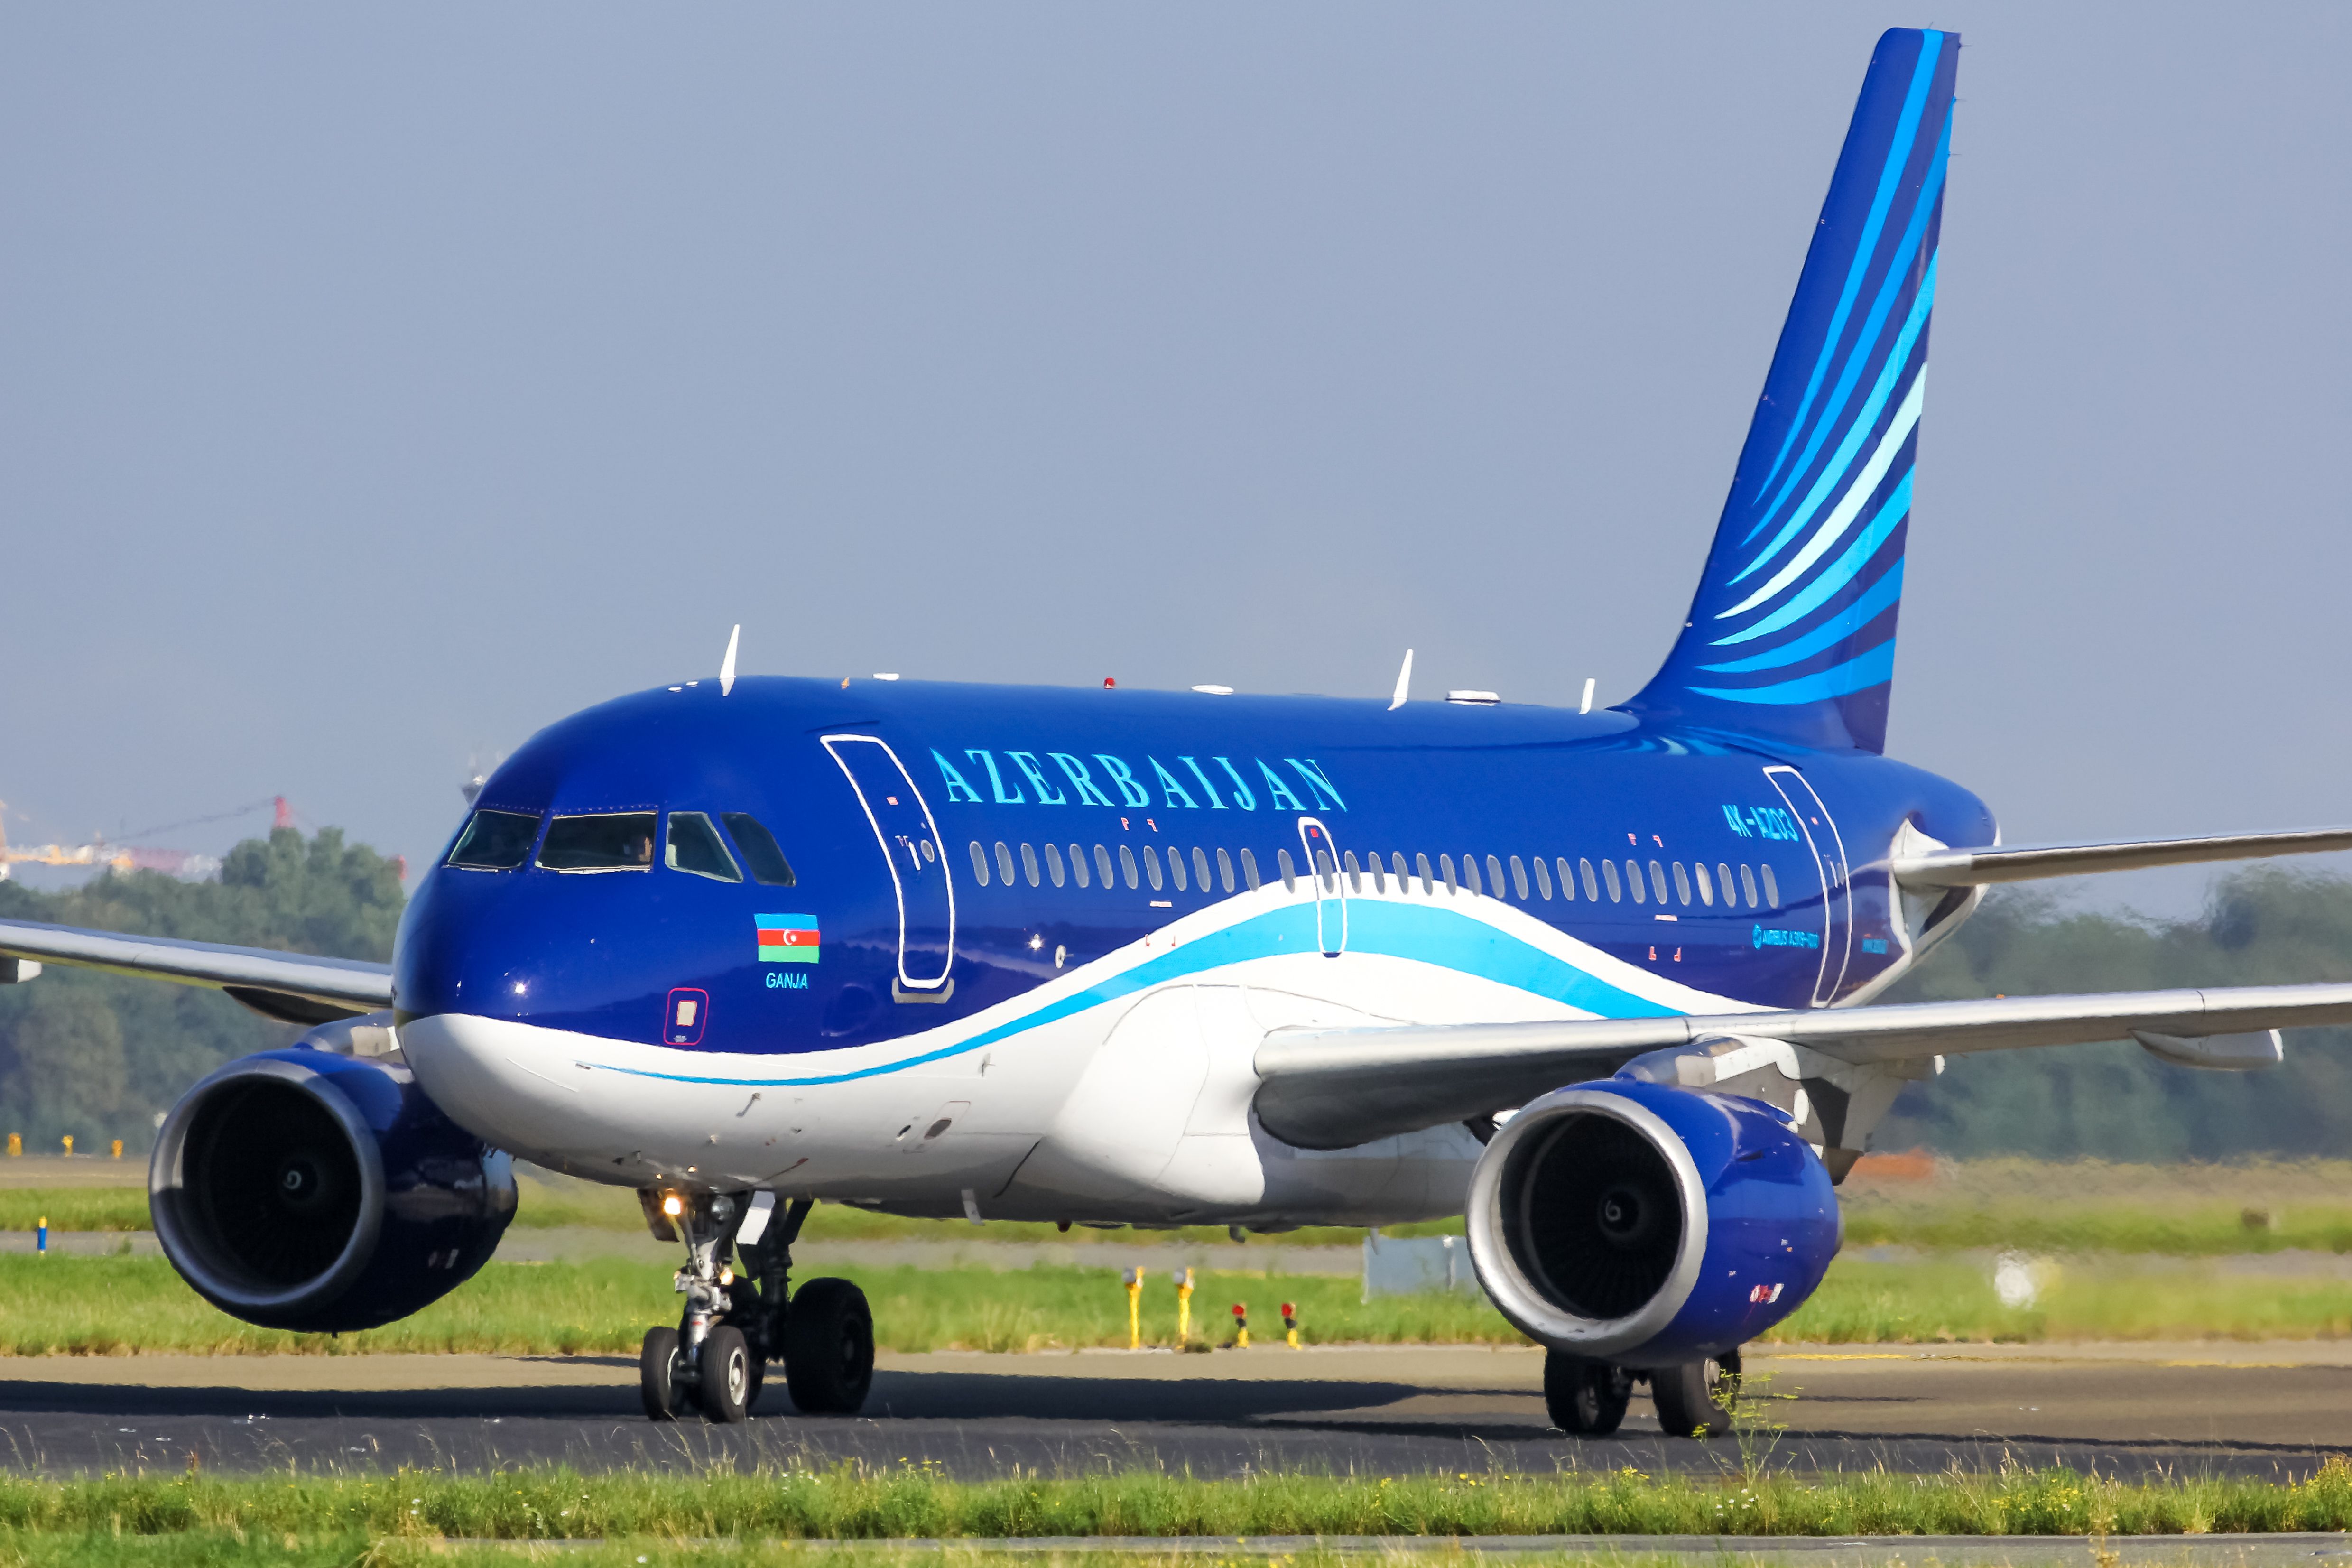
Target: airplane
pixel 1604 982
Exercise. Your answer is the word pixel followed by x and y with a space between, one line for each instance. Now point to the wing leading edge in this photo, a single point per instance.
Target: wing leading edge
pixel 1334 1088
pixel 294 987
pixel 2028 862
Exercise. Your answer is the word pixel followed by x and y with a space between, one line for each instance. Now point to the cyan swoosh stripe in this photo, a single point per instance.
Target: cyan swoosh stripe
pixel 1876 667
pixel 1884 594
pixel 1818 592
pixel 1857 495
pixel 1930 191
pixel 1865 420
pixel 1423 933
pixel 1898 155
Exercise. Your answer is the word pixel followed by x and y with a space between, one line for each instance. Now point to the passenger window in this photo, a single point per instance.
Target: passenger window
pixel 1658 881
pixel 979 864
pixel 609 841
pixel 1470 873
pixel 1445 865
pixel 1495 876
pixel 1705 891
pixel 1326 872
pixel 1127 865
pixel 694 846
pixel 1249 869
pixel 1078 866
pixel 1543 876
pixel 1054 863
pixel 1428 883
pixel 1747 885
pixel 1176 870
pixel 1102 867
pixel 1403 878
pixel 1730 890
pixel 1567 879
pixel 1152 867
pixel 1029 864
pixel 1771 889
pixel 1616 889
pixel 1200 869
pixel 1584 868
pixel 1633 883
pixel 1289 872
pixel 1355 872
pixel 1004 862
pixel 1225 870
pixel 1682 886
pixel 765 861
pixel 494 841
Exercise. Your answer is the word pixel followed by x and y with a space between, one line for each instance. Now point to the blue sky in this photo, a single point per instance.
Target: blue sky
pixel 379 383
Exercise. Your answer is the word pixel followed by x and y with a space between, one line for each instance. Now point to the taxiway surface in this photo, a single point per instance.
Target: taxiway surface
pixel 2268 1409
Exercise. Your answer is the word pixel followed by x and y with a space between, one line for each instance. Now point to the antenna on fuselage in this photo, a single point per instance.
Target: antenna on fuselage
pixel 727 665
pixel 1404 678
pixel 1587 706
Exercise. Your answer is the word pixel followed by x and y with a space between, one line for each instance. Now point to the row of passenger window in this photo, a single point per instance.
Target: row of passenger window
pixel 624 841
pixel 1755 887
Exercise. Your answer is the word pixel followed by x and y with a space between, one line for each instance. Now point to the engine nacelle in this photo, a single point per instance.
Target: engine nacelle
pixel 1648 1226
pixel 301 1189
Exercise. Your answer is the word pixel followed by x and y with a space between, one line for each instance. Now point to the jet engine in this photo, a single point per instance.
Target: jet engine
pixel 1649 1226
pixel 306 1190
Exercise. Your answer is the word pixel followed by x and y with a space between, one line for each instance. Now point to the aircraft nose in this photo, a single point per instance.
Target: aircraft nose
pixel 456 954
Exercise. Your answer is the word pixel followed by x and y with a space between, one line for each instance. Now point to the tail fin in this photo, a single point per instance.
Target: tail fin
pixel 1791 634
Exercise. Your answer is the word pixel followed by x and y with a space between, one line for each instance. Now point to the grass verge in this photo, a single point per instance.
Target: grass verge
pixel 852 1503
pixel 100 1306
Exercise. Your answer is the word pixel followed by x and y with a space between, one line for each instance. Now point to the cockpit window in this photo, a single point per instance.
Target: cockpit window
pixel 694 846
pixel 494 841
pixel 767 864
pixel 609 841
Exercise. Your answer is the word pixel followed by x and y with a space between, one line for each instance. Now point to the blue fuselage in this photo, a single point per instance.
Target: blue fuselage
pixel 1732 867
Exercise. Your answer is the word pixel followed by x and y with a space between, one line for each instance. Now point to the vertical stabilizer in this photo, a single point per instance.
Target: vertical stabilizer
pixel 1791 634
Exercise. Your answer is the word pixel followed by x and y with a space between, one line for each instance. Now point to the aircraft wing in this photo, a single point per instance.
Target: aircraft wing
pixel 1335 1088
pixel 293 987
pixel 2025 862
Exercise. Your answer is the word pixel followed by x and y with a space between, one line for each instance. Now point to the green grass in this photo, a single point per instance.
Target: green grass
pixel 100 1306
pixel 852 1503
pixel 548 1204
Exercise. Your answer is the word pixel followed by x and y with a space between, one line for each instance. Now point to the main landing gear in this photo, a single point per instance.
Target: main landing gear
pixel 1588 1397
pixel 734 1324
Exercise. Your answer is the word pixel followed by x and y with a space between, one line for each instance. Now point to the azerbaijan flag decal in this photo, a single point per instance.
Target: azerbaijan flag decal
pixel 787 939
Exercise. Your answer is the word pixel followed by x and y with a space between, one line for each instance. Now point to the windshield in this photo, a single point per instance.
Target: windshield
pixel 494 841
pixel 767 864
pixel 613 841
pixel 695 845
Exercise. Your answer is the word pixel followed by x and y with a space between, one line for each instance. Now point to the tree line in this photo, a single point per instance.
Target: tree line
pixel 102 1057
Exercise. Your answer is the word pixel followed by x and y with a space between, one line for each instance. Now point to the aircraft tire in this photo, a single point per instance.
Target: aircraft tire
pixel 1585 1397
pixel 659 1383
pixel 1694 1398
pixel 828 1348
pixel 724 1369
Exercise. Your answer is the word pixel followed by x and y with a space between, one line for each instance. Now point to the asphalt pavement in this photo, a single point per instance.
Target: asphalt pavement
pixel 2269 1409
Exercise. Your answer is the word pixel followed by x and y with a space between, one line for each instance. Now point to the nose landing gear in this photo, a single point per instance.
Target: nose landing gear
pixel 734 1324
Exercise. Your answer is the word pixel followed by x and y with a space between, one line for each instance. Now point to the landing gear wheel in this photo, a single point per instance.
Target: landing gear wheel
pixel 1694 1398
pixel 828 1348
pixel 725 1366
pixel 759 1381
pixel 658 1379
pixel 1585 1397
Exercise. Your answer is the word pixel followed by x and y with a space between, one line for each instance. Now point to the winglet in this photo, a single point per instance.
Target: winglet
pixel 1404 679
pixel 727 665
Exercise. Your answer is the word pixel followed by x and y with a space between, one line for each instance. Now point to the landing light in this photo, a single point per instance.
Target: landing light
pixel 672 1207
